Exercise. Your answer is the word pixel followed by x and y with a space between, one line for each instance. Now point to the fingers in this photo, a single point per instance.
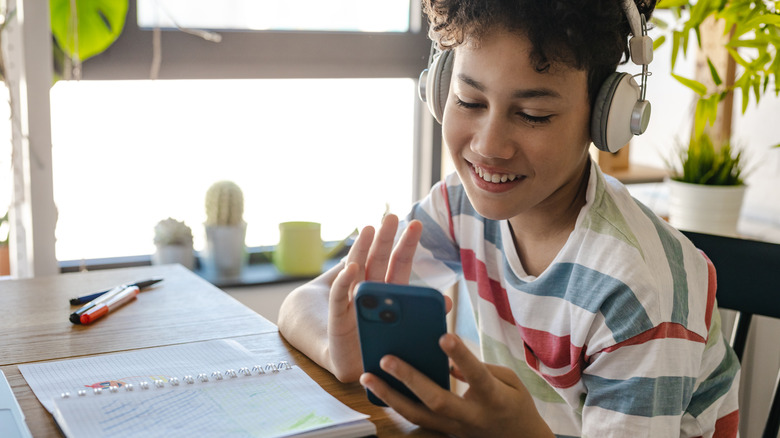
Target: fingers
pixel 447 304
pixel 471 369
pixel 421 414
pixel 455 372
pixel 359 252
pixel 376 257
pixel 379 254
pixel 400 267
pixel 339 298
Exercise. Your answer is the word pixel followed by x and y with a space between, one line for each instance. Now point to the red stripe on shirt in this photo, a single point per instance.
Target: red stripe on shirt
pixel 565 380
pixel 554 351
pixel 446 198
pixel 712 288
pixel 727 426
pixel 666 330
pixel 489 289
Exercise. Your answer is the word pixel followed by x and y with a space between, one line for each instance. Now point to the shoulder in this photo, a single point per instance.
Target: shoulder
pixel 651 267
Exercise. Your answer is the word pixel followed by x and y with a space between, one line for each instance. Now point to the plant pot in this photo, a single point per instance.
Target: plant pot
pixel 704 208
pixel 167 254
pixel 225 250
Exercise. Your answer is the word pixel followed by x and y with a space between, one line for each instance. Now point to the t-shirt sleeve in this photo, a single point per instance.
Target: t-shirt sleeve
pixel 437 259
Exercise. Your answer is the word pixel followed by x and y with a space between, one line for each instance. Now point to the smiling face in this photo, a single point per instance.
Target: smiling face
pixel 518 137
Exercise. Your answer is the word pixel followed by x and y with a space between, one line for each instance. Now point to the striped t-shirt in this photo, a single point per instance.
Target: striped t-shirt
pixel 618 337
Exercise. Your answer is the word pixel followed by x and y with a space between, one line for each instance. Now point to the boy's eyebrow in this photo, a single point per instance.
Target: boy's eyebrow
pixel 524 93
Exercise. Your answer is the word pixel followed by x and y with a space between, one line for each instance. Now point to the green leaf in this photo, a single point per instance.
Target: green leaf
pixel 712 113
pixel 100 22
pixel 757 87
pixel 676 37
pixel 699 118
pixel 667 4
pixel 659 42
pixel 659 23
pixel 714 72
pixel 739 60
pixel 699 12
pixel 754 43
pixel 769 20
pixel 694 85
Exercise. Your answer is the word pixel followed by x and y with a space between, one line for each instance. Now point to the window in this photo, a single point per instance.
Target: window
pixel 316 15
pixel 130 153
pixel 294 117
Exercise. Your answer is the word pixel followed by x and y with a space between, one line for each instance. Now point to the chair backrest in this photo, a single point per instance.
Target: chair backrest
pixel 748 273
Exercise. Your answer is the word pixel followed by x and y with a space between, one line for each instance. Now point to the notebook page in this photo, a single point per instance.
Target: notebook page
pixel 49 380
pixel 276 404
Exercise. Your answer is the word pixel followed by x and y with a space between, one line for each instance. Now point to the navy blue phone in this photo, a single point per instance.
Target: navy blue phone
pixel 407 322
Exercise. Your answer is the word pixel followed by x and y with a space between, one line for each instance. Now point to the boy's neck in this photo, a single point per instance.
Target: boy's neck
pixel 540 234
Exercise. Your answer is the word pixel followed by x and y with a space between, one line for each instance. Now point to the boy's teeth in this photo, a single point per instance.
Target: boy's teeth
pixel 494 177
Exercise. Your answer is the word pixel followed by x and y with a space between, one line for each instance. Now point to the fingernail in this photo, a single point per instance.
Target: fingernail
pixel 387 363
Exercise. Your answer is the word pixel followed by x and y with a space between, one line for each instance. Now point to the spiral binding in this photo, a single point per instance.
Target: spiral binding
pixel 257 370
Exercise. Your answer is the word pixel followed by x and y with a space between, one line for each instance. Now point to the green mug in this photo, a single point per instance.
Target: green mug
pixel 301 251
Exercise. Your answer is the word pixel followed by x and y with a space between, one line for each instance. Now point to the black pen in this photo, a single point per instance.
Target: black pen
pixel 75 317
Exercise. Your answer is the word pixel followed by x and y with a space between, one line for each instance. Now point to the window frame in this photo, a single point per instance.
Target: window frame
pixel 265 54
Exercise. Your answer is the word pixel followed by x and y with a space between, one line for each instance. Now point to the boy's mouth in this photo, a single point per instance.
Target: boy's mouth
pixel 495 178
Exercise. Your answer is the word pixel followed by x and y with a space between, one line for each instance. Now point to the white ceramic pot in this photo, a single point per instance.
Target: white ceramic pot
pixel 182 254
pixel 704 208
pixel 225 250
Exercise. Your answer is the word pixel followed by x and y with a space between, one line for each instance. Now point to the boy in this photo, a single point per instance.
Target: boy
pixel 595 317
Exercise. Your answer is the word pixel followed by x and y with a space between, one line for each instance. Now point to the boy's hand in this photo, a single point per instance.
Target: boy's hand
pixel 496 403
pixel 371 258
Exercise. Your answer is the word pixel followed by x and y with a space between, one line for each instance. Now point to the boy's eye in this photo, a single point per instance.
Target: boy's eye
pixel 536 120
pixel 533 120
pixel 467 105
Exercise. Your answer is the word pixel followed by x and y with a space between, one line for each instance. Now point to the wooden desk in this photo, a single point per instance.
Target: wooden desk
pixel 638 174
pixel 182 309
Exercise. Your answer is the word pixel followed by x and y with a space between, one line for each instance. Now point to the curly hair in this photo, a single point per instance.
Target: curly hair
pixel 587 35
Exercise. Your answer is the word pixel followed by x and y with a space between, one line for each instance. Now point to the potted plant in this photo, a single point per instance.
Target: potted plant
pixel 706 187
pixel 737 42
pixel 225 229
pixel 173 243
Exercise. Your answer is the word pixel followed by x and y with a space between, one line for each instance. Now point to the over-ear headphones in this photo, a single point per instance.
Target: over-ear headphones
pixel 620 109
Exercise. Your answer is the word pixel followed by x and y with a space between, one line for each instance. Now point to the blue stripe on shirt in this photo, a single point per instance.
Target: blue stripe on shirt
pixel 593 291
pixel 674 255
pixel 640 396
pixel 436 240
pixel 716 384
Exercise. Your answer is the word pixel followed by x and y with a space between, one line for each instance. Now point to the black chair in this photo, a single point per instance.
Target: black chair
pixel 748 273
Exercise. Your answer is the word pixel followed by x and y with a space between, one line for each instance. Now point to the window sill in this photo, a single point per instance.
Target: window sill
pixel 258 271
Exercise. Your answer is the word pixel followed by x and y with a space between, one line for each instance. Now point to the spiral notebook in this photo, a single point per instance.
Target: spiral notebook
pixel 189 391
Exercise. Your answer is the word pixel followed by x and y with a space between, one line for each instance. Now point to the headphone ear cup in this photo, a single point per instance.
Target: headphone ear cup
pixel 610 125
pixel 438 83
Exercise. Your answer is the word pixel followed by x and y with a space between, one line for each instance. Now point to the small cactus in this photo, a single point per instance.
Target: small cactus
pixel 224 204
pixel 172 232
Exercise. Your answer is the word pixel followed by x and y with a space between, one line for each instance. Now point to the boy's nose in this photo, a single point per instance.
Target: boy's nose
pixel 492 139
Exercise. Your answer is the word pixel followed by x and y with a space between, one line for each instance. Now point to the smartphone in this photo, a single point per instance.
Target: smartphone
pixel 407 322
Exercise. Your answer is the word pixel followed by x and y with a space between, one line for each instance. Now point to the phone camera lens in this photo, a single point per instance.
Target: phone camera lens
pixel 369 302
pixel 387 316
